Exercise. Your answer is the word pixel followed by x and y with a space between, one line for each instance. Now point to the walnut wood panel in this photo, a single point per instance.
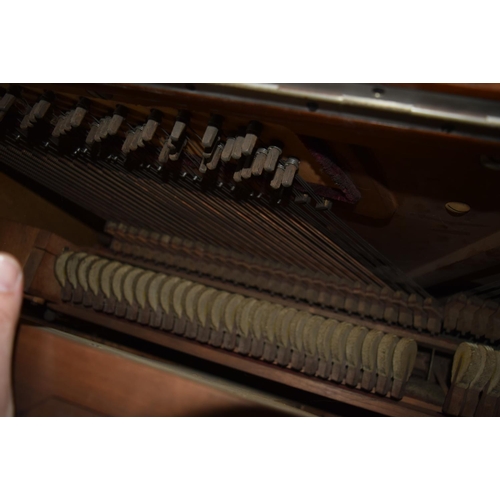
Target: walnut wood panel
pixel 56 375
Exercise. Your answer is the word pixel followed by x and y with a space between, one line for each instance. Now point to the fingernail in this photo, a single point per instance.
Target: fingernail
pixel 10 273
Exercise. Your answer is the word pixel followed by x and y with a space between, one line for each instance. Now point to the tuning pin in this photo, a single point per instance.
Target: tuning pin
pixel 128 141
pixel 253 130
pixel 246 171
pixel 259 161
pixel 66 126
pixel 136 139
pixel 7 101
pixel 291 168
pixel 273 154
pixel 26 123
pixel 211 133
pixel 42 106
pixel 154 119
pixel 91 135
pixel 79 113
pixel 59 128
pixel 237 151
pixel 228 149
pixel 176 153
pixel 278 177
pixel 180 126
pixel 119 115
pixel 167 148
pixel 102 129
pixel 214 161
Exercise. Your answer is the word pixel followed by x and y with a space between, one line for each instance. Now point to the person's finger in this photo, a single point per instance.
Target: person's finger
pixel 11 295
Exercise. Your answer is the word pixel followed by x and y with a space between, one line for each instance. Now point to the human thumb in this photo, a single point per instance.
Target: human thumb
pixel 11 295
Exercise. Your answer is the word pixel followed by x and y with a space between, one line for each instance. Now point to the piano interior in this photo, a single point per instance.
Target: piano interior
pixel 297 249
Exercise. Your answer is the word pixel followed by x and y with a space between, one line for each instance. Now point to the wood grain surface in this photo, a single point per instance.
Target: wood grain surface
pixel 57 374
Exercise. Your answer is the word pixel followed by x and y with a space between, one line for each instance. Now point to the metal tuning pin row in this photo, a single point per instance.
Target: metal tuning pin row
pixel 177 140
pixel 107 126
pixel 338 351
pixel 142 134
pixel 285 173
pixel 72 119
pixel 38 111
pixel 475 382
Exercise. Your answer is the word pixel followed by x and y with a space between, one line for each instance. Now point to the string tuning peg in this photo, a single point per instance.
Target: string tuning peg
pixel 59 128
pixel 278 176
pixel 175 154
pixel 40 109
pixel 26 123
pixel 246 171
pixel 43 105
pixel 79 113
pixel 211 133
pixel 91 135
pixel 128 141
pixel 291 168
pixel 227 152
pixel 8 99
pixel 237 147
pixel 136 140
pixel 102 129
pixel 154 119
pixel 237 176
pixel 180 126
pixel 119 114
pixel 165 151
pixel 258 161
pixel 252 134
pixel 273 154
pixel 214 161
